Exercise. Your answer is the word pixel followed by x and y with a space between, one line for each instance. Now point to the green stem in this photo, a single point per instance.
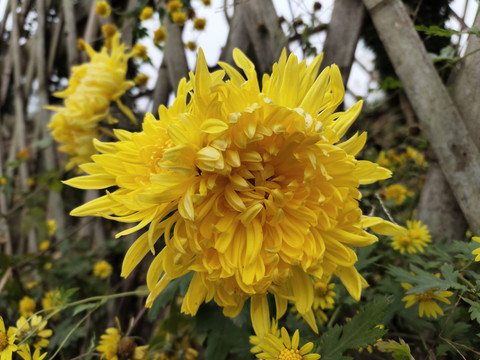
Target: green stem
pixel 70 333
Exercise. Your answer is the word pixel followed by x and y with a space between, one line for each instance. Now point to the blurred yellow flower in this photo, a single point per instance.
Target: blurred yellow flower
pixel 91 89
pixel 141 79
pixel 7 341
pixel 140 51
pixel 206 2
pixel 413 238
pixel 160 35
pixel 262 196
pixel 26 306
pixel 147 13
pixel 32 284
pixel 476 251
pixel 109 30
pixel 80 44
pixel 179 18
pixel 51 226
pixel 102 269
pixel 102 8
pixel 44 245
pixel 426 301
pixel 397 192
pixel 3 180
pixel 174 6
pixel 416 156
pixel 191 45
pixel 34 330
pixel 51 301
pixel 199 24
pixel 324 294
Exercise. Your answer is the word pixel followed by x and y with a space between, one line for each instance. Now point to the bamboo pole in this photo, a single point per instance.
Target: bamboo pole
pixel 458 156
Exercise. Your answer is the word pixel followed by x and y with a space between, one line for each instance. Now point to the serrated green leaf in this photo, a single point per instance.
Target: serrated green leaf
pixel 361 331
pixel 474 309
pixel 400 351
pixel 423 281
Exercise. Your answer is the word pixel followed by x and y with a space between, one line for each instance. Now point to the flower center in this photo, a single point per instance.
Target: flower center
pixel 405 240
pixel 321 289
pixel 426 296
pixel 290 354
pixel 3 341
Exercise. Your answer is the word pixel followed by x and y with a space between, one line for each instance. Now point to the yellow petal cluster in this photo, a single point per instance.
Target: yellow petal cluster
pixel 250 188
pixel 427 304
pixel 415 237
pixel 277 345
pixel 91 89
pixel 476 251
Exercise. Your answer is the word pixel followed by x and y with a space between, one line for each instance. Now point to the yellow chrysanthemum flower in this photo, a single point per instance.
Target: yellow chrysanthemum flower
pixel 174 6
pixel 51 301
pixel 191 45
pixel 51 226
pixel 33 331
pixel 426 301
pixel 91 89
pixel 3 180
pixel 199 24
pixel 160 35
pixel 416 156
pixel 140 51
pixel 102 269
pixel 7 341
pixel 397 192
pixel 108 343
pixel 250 188
pixel 26 306
pixel 324 294
pixel 147 13
pixel 476 251
pixel 274 346
pixel 179 18
pixel 114 347
pixel 109 30
pixel 44 245
pixel 102 8
pixel 141 79
pixel 26 354
pixel 412 239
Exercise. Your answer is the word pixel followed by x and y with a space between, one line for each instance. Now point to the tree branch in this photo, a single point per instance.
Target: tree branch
pixel 442 122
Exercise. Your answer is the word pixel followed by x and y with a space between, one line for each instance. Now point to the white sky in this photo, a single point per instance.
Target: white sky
pixel 213 38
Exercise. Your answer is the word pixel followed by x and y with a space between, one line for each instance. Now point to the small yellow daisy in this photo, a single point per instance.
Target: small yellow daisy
pixel 102 8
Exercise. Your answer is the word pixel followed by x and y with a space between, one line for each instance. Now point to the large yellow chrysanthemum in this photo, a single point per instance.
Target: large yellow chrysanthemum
pixel 250 188
pixel 91 89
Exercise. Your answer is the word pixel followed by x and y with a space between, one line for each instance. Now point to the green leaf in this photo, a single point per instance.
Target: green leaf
pixel 361 331
pixel 424 281
pixel 474 309
pixel 400 351
pixel 437 31
pixel 83 307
